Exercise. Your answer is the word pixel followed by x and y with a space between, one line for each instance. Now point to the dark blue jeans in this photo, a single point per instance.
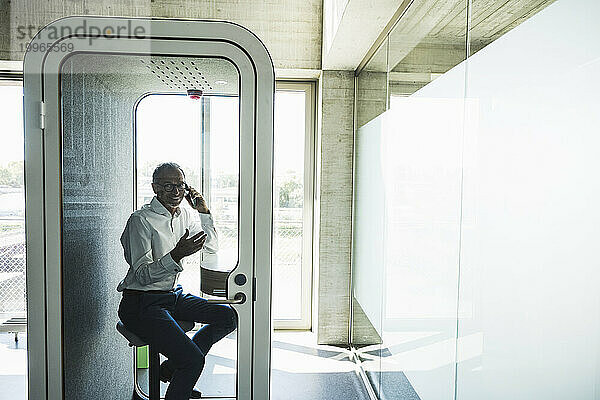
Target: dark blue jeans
pixel 152 317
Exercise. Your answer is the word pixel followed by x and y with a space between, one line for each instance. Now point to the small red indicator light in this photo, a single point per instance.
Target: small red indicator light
pixel 194 94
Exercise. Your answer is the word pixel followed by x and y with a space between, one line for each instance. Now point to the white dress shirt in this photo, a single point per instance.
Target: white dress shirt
pixel 149 236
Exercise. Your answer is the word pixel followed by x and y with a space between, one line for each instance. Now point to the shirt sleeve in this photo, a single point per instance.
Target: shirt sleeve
pixel 206 224
pixel 137 247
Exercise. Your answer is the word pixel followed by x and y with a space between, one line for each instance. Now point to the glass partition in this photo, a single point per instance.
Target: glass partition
pixel 422 163
pixel 372 87
pixel 428 41
pixel 529 299
pixel 478 183
pixel 489 22
pixel 407 205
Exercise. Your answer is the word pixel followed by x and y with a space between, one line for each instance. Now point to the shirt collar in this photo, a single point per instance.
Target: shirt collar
pixel 158 208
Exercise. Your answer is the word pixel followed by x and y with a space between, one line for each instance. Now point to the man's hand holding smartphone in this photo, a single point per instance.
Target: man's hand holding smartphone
pixel 196 200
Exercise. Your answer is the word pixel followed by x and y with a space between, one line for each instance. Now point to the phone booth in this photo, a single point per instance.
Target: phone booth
pixel 103 99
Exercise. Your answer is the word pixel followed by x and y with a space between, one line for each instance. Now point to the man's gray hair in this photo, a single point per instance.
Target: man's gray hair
pixel 167 165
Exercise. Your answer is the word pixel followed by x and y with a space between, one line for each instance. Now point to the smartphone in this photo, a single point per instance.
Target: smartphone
pixel 188 196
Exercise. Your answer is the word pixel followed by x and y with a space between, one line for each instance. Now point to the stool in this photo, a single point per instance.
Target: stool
pixel 154 368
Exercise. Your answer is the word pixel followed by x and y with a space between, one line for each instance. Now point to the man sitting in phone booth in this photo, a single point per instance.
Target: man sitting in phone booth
pixel 155 240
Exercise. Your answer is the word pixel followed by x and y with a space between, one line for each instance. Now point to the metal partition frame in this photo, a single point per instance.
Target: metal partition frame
pixel 43 181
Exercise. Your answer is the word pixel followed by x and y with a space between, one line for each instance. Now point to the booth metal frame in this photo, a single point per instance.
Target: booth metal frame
pixel 43 182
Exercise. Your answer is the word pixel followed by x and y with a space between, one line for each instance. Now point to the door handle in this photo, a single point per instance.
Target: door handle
pixel 239 298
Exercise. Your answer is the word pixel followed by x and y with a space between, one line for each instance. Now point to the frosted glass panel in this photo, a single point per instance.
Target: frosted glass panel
pixel 507 175
pixel 530 304
pixel 369 222
pixel 406 240
pixel 421 158
pixel 367 253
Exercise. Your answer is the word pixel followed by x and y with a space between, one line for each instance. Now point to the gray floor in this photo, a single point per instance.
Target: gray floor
pixel 383 368
pixel 301 370
pixel 392 386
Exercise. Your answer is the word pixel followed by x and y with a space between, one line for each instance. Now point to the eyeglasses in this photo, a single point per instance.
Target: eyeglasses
pixel 169 187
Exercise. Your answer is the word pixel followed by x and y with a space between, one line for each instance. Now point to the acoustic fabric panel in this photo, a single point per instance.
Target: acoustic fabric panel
pixel 97 190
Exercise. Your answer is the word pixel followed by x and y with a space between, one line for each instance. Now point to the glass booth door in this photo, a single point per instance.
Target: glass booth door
pixel 94 126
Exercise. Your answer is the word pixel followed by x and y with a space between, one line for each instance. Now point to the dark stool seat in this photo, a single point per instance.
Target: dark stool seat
pixel 134 340
pixel 154 370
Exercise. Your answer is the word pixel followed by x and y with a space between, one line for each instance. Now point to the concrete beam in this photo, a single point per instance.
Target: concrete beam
pixel 291 29
pixel 349 33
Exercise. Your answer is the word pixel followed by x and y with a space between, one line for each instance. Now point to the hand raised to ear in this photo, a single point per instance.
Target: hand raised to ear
pixel 196 200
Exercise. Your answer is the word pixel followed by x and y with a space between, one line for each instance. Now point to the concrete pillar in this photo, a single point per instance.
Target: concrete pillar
pixel 334 217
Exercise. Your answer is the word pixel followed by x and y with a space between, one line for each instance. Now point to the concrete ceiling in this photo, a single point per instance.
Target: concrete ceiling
pixel 430 37
pixel 350 29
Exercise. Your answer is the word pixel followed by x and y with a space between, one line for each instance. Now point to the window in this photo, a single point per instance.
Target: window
pixel 211 163
pixel 13 368
pixel 203 137
pixel 12 203
pixel 292 205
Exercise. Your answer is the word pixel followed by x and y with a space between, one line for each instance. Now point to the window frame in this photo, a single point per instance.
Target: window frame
pixel 305 322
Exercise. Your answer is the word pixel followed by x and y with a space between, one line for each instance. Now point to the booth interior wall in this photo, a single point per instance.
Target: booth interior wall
pixel 97 190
